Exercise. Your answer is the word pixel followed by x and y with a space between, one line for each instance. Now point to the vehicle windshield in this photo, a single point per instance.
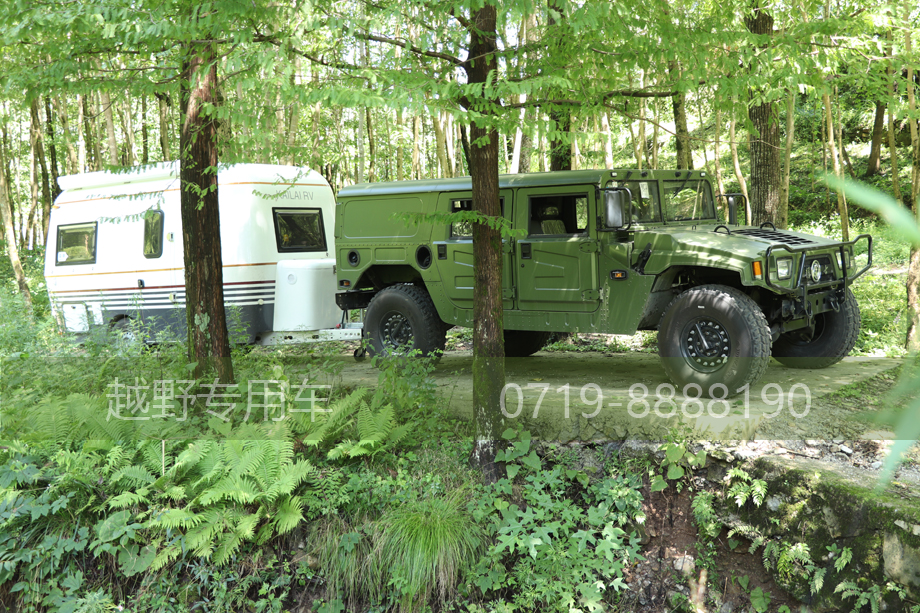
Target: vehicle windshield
pixel 645 207
pixel 687 200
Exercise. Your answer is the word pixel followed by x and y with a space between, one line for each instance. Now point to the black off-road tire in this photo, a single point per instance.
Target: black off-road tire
pixel 524 343
pixel 401 318
pixel 834 337
pixel 714 335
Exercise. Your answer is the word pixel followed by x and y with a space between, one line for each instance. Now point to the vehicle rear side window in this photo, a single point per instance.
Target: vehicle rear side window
pixel 153 234
pixel 464 229
pixel 76 244
pixel 299 230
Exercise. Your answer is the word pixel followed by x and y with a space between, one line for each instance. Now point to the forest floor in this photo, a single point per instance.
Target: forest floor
pixel 827 415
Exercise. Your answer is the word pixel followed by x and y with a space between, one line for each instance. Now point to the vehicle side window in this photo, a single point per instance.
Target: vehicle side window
pixel 644 200
pixel 153 234
pixel 299 230
pixel 558 215
pixel 464 229
pixel 76 244
pixel 461 229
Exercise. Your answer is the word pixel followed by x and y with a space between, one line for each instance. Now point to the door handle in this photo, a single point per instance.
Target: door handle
pixel 525 251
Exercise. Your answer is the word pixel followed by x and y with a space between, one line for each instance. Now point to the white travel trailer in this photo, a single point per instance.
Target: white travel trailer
pixel 115 252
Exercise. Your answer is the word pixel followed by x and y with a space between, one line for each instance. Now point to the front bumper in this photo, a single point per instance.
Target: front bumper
pixel 805 297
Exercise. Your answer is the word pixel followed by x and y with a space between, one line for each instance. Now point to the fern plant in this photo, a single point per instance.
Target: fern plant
pixel 358 426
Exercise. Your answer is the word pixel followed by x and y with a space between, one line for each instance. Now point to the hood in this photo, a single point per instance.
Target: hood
pixel 699 245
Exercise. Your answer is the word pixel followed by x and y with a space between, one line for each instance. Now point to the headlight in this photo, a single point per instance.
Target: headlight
pixel 784 268
pixel 816 271
pixel 849 260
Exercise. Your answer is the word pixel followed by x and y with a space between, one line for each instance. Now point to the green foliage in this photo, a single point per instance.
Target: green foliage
pixel 678 461
pixel 743 487
pixel 425 544
pixel 561 540
pixel 355 428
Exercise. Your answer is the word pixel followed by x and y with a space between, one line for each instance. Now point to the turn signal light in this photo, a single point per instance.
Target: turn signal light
pixel 758 270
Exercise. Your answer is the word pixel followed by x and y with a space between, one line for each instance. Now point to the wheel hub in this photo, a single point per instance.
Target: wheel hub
pixel 706 344
pixel 397 331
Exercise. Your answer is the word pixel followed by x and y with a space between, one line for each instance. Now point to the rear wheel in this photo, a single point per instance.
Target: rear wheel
pixel 403 318
pixel 832 338
pixel 523 343
pixel 716 337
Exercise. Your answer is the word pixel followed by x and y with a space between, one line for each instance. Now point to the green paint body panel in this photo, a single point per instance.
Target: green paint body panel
pixel 559 277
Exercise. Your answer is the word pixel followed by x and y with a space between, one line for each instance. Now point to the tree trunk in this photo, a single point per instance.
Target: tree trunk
pixel 81 135
pixel 488 338
pixel 6 216
pixel 400 150
pixel 838 171
pixel 371 147
pixel 416 147
pixel 128 128
pixel 39 153
pixel 440 143
pixel 739 176
pixel 163 104
pixel 145 133
pixel 208 341
pixel 683 146
pixel 362 155
pixel 89 124
pixel 913 270
pixel 560 147
pixel 782 215
pixel 465 144
pixel 35 173
pixel 764 140
pixel 52 155
pixel 878 132
pixel 109 115
pixel 608 142
pixel 73 159
pixel 717 164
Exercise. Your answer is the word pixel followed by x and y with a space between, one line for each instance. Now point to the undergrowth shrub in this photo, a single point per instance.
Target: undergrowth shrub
pixel 562 540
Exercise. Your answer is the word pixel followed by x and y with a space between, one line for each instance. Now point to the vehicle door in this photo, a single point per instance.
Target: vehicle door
pixel 556 263
pixel 454 254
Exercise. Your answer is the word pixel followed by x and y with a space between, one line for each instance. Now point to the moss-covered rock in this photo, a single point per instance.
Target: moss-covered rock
pixel 828 508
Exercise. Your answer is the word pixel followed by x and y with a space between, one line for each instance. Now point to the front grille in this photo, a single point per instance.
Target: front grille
pixel 774 236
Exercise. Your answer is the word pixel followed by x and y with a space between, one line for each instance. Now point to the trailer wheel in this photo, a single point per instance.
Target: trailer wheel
pixel 123 331
pixel 832 339
pixel 402 318
pixel 523 343
pixel 714 337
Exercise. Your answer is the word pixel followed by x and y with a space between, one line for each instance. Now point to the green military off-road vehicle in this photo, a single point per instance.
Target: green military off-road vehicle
pixel 610 251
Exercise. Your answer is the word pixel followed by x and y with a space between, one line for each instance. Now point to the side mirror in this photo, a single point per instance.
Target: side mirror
pixel 617 202
pixel 732 211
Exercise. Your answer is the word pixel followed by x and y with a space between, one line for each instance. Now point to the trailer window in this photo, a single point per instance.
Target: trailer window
pixel 76 244
pixel 153 234
pixel 299 230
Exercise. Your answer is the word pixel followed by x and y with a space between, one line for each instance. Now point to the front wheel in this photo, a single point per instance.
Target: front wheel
pixel 715 337
pixel 832 338
pixel 403 318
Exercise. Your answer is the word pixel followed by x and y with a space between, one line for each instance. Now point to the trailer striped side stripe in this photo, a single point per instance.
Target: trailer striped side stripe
pixel 242 293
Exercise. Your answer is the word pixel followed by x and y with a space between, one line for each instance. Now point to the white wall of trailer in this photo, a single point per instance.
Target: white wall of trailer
pixel 276 229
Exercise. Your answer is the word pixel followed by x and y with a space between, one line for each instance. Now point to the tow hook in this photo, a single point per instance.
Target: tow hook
pixel 834 302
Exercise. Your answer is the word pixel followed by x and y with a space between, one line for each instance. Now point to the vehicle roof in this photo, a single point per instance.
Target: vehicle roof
pixel 169 171
pixel 535 179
